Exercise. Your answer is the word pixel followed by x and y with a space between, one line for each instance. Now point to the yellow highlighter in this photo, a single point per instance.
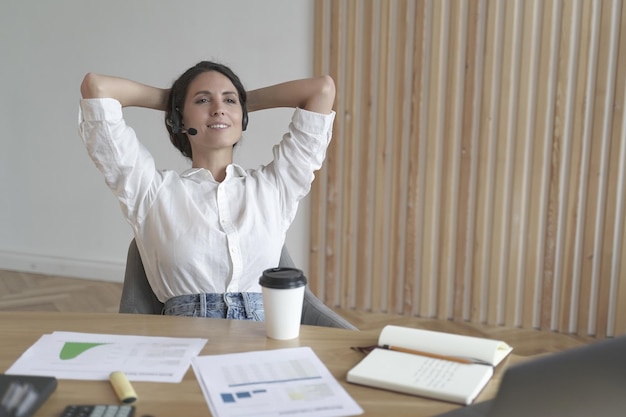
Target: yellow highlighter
pixel 122 387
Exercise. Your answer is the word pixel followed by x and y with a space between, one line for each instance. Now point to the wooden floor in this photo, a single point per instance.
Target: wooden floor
pixel 23 291
pixel 20 291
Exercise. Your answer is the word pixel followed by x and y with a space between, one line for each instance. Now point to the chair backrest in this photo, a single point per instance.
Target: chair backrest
pixel 138 297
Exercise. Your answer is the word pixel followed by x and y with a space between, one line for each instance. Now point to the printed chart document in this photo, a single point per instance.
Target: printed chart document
pixel 90 356
pixel 281 382
pixel 425 371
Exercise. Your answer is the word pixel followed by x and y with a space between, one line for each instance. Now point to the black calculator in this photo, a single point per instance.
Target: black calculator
pixel 98 410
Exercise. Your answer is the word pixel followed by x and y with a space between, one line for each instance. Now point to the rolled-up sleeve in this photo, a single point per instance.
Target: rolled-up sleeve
pixel 296 158
pixel 127 166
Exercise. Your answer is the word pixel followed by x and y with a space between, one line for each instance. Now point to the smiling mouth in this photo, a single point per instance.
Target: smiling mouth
pixel 218 126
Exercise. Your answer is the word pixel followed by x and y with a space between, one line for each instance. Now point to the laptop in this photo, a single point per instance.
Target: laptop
pixel 587 381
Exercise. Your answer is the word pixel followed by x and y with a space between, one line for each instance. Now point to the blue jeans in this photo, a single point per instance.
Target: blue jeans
pixel 230 305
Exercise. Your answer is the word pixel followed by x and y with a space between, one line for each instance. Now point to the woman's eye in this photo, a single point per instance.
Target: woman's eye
pixel 231 101
pixel 202 100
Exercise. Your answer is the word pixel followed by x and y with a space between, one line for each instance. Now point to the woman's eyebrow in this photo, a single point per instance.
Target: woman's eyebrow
pixel 206 92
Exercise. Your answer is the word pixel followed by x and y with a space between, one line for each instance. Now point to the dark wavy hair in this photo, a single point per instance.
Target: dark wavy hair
pixel 176 102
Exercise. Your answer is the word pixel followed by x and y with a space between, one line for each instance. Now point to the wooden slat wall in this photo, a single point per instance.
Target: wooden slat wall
pixel 478 166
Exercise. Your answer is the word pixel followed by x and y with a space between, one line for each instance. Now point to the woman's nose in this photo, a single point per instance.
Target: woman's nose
pixel 217 110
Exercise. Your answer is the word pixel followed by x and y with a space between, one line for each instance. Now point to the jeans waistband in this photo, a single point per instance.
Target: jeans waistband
pixel 230 305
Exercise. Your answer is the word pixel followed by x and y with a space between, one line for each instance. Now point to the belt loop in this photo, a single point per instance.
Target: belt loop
pixel 246 305
pixel 202 300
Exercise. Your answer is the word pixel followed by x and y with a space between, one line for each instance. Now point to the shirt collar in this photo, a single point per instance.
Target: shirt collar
pixel 232 171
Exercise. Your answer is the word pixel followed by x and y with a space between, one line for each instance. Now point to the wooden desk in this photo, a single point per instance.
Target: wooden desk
pixel 19 330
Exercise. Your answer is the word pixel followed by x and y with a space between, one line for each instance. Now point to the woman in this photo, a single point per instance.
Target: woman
pixel 206 235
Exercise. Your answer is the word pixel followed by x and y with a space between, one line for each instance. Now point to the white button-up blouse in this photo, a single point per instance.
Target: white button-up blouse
pixel 197 235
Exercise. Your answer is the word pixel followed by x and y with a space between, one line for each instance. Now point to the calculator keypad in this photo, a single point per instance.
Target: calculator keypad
pixel 98 411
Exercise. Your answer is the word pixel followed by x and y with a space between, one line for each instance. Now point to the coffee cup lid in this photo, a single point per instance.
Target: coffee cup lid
pixel 282 278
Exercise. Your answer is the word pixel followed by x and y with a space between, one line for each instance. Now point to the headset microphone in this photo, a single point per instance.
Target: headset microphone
pixel 175 122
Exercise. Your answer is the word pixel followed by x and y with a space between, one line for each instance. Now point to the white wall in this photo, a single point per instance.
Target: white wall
pixel 56 214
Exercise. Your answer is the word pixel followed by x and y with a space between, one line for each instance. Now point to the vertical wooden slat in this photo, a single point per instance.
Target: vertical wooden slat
pixel 380 159
pixel 395 249
pixel 455 208
pixel 316 245
pixel 333 163
pixel 588 178
pixel 555 288
pixel 438 238
pixel 364 212
pixel 619 255
pixel 412 261
pixel 348 280
pixel 422 291
pixel 618 268
pixel 617 322
pixel 526 32
pixel 444 255
pixel 451 236
pixel 501 167
pixel 466 149
pixel 524 287
pixel 489 148
pixel 594 181
pixel 481 225
pixel 510 214
pixel 474 243
pixel 427 272
pixel 606 199
pixel 586 30
pixel 543 159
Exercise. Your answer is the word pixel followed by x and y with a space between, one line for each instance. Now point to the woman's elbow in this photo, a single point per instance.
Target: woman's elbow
pixel 328 90
pixel 91 86
pixel 324 99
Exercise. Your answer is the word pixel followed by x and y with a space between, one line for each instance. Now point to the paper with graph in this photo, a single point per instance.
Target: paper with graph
pixel 280 382
pixel 91 356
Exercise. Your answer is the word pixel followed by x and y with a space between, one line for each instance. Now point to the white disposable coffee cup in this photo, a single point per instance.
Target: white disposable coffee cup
pixel 283 294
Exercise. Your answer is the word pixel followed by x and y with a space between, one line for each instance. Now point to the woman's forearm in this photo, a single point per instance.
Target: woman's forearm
pixel 315 94
pixel 127 92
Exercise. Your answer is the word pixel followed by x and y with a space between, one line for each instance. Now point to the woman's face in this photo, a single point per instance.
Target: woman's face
pixel 212 107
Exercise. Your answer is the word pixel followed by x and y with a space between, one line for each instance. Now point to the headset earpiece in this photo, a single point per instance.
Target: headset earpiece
pixel 244 118
pixel 174 121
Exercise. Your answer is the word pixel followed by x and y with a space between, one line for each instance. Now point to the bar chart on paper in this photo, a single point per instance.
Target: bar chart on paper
pixel 280 382
pixel 88 356
pixel 244 378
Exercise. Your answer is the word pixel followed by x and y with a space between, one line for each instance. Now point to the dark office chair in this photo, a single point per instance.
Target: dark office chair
pixel 137 295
